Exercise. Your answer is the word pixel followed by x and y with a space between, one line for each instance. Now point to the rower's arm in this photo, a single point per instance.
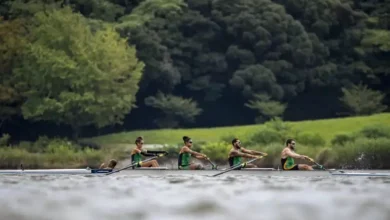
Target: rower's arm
pixel 143 152
pixel 156 151
pixel 147 154
pixel 294 155
pixel 240 154
pixel 194 153
pixel 252 152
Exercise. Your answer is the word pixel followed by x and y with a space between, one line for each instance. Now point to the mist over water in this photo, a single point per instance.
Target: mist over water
pixel 193 197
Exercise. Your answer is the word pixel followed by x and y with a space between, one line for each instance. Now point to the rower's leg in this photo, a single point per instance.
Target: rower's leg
pixel 196 167
pixel 304 167
pixel 250 166
pixel 155 163
pixel 152 163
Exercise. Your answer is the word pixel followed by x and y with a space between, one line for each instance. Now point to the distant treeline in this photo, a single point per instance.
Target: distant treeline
pixel 183 63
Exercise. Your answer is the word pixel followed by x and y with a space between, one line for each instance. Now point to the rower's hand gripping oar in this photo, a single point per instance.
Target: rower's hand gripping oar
pixel 237 166
pixel 214 167
pixel 322 167
pixel 135 164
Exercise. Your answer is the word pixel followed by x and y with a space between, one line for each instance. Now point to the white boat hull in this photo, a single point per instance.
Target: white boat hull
pixel 167 172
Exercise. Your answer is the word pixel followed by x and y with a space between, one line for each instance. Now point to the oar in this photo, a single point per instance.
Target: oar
pixel 237 166
pixel 214 167
pixel 135 164
pixel 317 163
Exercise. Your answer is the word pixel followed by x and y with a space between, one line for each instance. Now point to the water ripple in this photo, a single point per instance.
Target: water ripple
pixel 193 197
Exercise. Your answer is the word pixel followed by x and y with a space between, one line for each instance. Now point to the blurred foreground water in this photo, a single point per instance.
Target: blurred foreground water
pixel 246 197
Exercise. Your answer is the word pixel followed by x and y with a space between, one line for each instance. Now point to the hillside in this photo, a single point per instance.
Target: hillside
pixel 326 128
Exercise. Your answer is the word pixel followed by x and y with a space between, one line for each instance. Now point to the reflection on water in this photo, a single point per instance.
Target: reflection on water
pixel 193 197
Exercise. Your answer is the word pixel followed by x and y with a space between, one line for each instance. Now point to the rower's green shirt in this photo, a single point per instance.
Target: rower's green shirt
pixel 184 160
pixel 233 161
pixel 136 157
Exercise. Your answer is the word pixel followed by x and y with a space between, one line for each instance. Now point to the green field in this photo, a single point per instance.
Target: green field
pixel 326 128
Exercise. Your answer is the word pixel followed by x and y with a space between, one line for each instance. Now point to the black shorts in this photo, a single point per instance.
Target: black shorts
pixel 295 167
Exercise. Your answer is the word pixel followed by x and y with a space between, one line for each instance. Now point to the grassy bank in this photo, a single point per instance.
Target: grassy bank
pixel 327 129
pixel 355 142
pixel 54 153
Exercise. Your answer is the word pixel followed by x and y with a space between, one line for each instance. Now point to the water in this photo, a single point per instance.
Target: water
pixel 244 197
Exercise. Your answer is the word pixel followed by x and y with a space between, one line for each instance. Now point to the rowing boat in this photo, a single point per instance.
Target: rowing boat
pixel 163 171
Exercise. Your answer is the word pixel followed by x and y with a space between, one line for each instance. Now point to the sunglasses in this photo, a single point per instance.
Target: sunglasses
pixel 141 143
pixel 190 142
pixel 292 143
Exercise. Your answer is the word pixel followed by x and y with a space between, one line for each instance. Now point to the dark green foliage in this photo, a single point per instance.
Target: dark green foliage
pixel 342 139
pixel 362 101
pixel 310 139
pixel 267 136
pixel 4 140
pixel 365 153
pixel 376 131
pixel 251 60
pixel 175 109
pixel 370 132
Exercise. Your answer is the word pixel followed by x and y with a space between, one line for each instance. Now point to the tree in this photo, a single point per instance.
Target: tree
pixel 74 76
pixel 267 108
pixel 12 43
pixel 361 100
pixel 175 109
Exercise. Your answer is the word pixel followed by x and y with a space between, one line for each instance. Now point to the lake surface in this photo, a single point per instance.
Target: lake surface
pixel 245 197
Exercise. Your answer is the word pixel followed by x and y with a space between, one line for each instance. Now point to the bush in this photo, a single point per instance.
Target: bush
pixel 342 139
pixel 12 158
pixel 50 153
pixel 173 151
pixel 228 138
pixel 266 136
pixel 377 131
pixel 4 139
pixel 365 153
pixel 41 144
pixel 327 157
pixel 278 125
pixel 217 152
pixel 314 140
pixel 93 158
pixel 273 157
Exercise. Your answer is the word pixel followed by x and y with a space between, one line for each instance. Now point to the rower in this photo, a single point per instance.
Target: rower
pixel 237 153
pixel 111 165
pixel 288 155
pixel 138 152
pixel 184 162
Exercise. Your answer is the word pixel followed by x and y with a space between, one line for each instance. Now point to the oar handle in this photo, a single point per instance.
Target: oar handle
pixel 312 160
pixel 212 164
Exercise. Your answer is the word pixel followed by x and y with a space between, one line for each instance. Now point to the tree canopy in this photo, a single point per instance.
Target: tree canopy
pixel 191 62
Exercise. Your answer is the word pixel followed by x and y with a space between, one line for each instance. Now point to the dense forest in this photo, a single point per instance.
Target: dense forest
pixel 86 67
